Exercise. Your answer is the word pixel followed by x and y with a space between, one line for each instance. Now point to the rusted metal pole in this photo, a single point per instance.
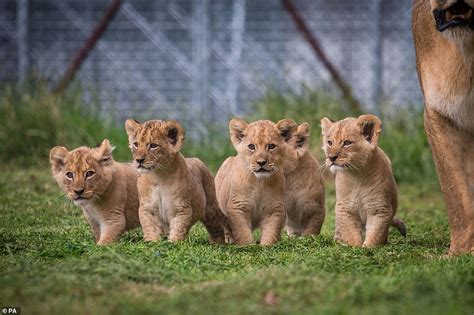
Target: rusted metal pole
pixel 313 42
pixel 22 24
pixel 88 46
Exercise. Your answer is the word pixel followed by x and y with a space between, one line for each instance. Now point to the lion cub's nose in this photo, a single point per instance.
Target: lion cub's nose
pixel 332 158
pixel 79 192
pixel 261 162
pixel 140 161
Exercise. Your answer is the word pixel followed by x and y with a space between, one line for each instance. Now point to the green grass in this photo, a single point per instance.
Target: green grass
pixel 32 121
pixel 50 265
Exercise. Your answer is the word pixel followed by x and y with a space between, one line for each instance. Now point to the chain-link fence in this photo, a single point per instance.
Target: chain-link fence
pixel 212 58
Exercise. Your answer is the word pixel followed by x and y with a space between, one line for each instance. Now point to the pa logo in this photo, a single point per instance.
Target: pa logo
pixel 11 310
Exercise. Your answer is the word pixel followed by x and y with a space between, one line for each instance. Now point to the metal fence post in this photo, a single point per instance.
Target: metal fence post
pixel 237 34
pixel 22 22
pixel 377 61
pixel 200 33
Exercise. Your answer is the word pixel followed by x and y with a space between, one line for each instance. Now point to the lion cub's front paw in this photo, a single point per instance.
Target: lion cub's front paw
pixel 105 242
pixel 151 238
pixel 217 240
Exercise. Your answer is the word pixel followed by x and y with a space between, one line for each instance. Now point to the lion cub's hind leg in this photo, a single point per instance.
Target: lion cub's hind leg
pixel 313 219
pixel 214 219
pixel 293 223
pixel 229 238
pixel 292 229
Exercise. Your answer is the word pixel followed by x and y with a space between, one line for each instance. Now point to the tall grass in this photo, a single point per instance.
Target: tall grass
pixel 32 121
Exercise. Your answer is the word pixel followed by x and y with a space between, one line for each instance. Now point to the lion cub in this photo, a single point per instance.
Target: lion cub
pixel 250 186
pixel 174 192
pixel 105 190
pixel 366 193
pixel 304 189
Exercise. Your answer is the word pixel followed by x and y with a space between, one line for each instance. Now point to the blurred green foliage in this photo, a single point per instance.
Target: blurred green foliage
pixel 403 137
pixel 32 121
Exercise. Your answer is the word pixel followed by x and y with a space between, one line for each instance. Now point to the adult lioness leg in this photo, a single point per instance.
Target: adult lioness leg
pixel 453 153
pixel 443 32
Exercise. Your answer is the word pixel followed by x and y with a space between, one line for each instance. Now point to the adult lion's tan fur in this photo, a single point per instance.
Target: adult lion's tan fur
pixel 251 185
pixel 304 188
pixel 445 65
pixel 366 193
pixel 174 192
pixel 105 190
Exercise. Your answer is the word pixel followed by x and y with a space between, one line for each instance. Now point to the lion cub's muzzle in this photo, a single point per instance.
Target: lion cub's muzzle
pixel 458 15
pixel 263 168
pixel 142 166
pixel 80 196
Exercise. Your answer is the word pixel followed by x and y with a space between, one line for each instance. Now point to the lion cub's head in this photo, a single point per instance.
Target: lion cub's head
pixel 262 144
pixel 297 147
pixel 85 173
pixel 349 143
pixel 155 143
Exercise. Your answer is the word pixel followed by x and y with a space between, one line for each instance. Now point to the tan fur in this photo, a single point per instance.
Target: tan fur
pixel 304 188
pixel 174 192
pixel 445 65
pixel 110 203
pixel 366 193
pixel 252 195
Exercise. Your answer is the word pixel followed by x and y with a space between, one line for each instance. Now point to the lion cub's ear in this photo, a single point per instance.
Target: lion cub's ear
pixel 131 126
pixel 56 158
pixel 287 128
pixel 104 152
pixel 174 133
pixel 370 127
pixel 301 139
pixel 326 124
pixel 237 128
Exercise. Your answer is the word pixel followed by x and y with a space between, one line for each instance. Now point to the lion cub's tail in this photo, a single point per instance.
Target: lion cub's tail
pixel 400 226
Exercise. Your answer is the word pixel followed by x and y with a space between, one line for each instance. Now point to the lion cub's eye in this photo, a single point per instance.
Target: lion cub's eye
pixel 70 175
pixel 135 144
pixel 271 146
pixel 330 143
pixel 251 147
pixel 153 146
pixel 89 174
pixel 347 143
